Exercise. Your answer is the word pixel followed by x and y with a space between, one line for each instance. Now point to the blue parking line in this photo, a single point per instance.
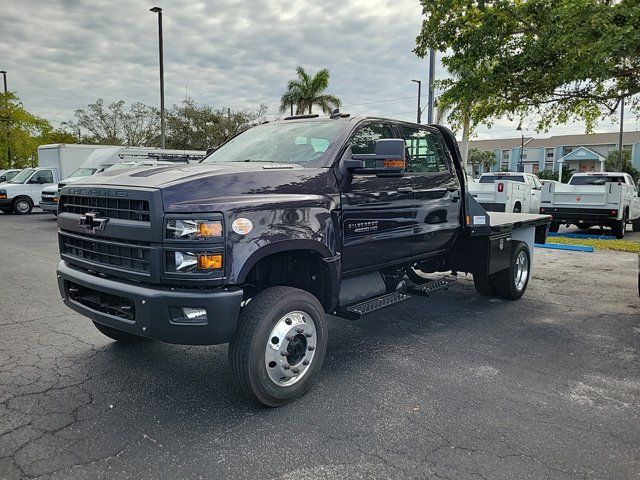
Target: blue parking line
pixel 581 235
pixel 559 246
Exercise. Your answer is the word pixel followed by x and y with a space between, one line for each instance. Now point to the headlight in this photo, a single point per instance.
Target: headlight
pixel 3 194
pixel 193 229
pixel 190 262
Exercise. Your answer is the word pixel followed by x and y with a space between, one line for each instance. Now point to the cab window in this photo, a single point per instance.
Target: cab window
pixel 42 177
pixel 365 137
pixel 425 153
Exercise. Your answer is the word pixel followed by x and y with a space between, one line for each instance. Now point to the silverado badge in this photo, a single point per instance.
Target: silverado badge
pixel 91 223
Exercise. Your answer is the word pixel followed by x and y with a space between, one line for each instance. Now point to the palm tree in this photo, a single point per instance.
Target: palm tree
pixel 307 91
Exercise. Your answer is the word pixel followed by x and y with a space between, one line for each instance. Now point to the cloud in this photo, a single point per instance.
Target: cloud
pixel 63 54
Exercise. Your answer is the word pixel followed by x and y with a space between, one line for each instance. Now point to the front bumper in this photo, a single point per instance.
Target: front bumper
pixel 49 206
pixel 596 216
pixel 6 202
pixel 149 311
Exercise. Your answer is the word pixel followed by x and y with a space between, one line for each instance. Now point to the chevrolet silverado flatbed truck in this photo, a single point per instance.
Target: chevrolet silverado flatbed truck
pixel 280 226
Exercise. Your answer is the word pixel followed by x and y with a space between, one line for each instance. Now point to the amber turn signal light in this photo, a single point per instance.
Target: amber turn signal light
pixel 208 261
pixel 394 164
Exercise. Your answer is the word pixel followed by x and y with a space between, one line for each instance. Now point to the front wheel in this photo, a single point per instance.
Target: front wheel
pixel 512 282
pixel 279 345
pixel 22 206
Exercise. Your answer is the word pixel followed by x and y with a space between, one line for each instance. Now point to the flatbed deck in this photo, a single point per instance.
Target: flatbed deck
pixel 500 222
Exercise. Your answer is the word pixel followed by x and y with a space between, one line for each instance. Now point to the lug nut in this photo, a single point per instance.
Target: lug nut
pixel 286 367
pixel 308 335
pixel 284 354
pixel 305 362
pixel 299 330
pixel 311 348
pixel 296 371
pixel 288 339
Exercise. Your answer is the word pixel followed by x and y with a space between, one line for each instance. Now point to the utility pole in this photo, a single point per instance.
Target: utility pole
pixel 229 114
pixel 620 162
pixel 158 10
pixel 520 164
pixel 6 99
pixel 432 73
pixel 419 116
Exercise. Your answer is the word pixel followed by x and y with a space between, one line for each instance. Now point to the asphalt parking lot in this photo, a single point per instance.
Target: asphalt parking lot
pixel 453 386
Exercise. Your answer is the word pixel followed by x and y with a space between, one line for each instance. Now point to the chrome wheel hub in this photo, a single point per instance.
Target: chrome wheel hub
pixel 290 348
pixel 22 207
pixel 521 273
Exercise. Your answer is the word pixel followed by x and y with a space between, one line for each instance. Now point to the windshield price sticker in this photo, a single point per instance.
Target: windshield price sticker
pixel 242 226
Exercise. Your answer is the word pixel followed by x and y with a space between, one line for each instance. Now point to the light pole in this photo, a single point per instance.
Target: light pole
pixel 158 10
pixel 432 73
pixel 419 95
pixel 620 163
pixel 521 165
pixel 6 99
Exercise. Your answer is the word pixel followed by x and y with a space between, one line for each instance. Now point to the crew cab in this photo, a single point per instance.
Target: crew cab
pixel 607 199
pixel 507 192
pixel 279 227
pixel 22 192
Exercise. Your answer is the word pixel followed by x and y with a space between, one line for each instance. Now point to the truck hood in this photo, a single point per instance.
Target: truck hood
pixel 206 187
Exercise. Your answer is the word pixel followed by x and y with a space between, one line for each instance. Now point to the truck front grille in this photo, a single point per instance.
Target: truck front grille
pixel 127 255
pixel 124 209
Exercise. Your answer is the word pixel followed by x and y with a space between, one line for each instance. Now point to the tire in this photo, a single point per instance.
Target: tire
pixel 517 208
pixel 22 206
pixel 278 324
pixel 119 335
pixel 636 225
pixel 620 227
pixel 554 227
pixel 512 282
pixel 484 285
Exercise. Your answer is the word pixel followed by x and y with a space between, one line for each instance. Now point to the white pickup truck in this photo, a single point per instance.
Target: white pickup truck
pixel 507 192
pixel 606 199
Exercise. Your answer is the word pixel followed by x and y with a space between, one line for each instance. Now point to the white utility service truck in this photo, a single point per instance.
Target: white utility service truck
pixel 607 199
pixel 507 192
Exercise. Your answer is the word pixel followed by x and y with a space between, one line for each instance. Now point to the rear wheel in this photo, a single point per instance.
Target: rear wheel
pixel 620 227
pixel 119 335
pixel 512 282
pixel 279 345
pixel 554 227
pixel 22 206
pixel 484 284
pixel 636 225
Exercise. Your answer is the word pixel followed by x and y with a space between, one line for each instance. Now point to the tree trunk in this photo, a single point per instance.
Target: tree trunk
pixel 466 133
pixel 310 106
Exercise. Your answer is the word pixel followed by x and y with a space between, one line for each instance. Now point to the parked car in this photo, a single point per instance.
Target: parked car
pixel 6 175
pixel 607 199
pixel 283 224
pixel 22 192
pixel 508 192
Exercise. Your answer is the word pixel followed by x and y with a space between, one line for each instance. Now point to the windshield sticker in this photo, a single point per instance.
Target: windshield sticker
pixel 242 226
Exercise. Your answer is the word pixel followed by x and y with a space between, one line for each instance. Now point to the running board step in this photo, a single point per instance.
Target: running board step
pixel 354 312
pixel 426 288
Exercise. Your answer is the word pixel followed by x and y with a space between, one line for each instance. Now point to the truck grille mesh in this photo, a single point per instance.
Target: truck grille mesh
pixel 124 209
pixel 133 256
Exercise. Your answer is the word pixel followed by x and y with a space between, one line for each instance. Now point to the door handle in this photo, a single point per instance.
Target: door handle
pixel 405 190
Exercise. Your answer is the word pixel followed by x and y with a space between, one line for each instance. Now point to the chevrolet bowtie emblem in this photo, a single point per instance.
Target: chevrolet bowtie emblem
pixel 91 223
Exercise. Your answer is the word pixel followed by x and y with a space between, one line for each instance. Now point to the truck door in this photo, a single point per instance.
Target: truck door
pixel 39 180
pixel 377 213
pixel 536 193
pixel 436 189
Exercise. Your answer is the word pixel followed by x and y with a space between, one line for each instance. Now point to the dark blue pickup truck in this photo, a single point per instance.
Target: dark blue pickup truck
pixel 280 226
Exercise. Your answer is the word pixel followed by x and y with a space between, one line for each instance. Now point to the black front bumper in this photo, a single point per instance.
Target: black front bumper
pixel 596 216
pixel 149 311
pixel 49 206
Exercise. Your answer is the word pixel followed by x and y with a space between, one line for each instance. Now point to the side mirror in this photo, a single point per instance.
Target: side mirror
pixel 3 178
pixel 387 161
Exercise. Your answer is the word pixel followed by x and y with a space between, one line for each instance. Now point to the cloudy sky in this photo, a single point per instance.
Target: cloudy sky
pixel 63 54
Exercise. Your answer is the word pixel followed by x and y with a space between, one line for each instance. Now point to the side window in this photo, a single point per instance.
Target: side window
pixel 424 150
pixel 365 137
pixel 43 176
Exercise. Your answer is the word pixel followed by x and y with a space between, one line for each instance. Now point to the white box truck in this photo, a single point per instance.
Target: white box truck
pixel 608 199
pixel 510 192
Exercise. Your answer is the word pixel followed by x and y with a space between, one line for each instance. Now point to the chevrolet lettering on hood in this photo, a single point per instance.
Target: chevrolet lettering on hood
pixel 98 192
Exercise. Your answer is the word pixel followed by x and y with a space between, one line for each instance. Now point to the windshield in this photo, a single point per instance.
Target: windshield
pixel 299 142
pixel 595 179
pixel 121 166
pixel 493 178
pixel 83 172
pixel 23 176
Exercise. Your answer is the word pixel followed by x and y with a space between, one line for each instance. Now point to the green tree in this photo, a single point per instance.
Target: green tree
pixel 484 158
pixel 562 60
pixel 612 163
pixel 113 125
pixel 306 91
pixel 551 175
pixel 201 127
pixel 20 133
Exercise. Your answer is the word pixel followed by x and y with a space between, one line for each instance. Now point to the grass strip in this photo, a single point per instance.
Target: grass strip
pixel 615 245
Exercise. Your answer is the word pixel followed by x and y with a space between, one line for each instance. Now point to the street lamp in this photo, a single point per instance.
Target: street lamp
pixel 6 99
pixel 620 163
pixel 419 95
pixel 521 165
pixel 4 75
pixel 158 10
